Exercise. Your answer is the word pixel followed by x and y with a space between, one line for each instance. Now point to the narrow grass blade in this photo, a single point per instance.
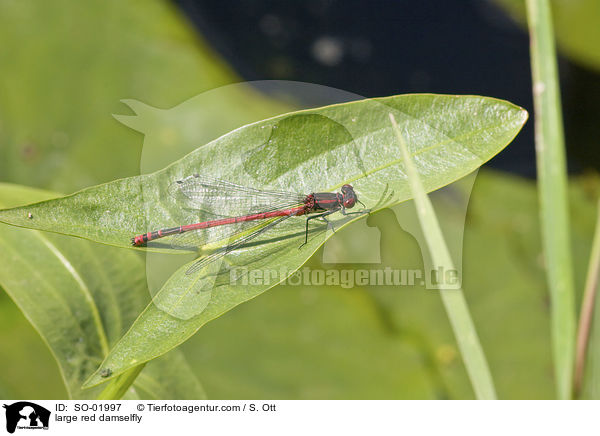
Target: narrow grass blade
pixel 552 187
pixel 587 309
pixel 453 299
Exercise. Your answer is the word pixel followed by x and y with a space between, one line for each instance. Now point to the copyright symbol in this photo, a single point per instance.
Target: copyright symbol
pixel 140 407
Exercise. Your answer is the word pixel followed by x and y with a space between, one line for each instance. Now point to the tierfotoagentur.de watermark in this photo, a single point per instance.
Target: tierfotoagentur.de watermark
pixel 347 278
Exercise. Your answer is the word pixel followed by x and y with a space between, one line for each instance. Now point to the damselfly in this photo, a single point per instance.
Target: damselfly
pixel 219 197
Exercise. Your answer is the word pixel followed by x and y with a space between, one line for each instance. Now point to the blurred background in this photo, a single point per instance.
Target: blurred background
pixel 65 66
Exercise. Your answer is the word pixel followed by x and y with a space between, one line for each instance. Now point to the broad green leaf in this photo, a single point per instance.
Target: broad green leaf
pixel 449 137
pixel 81 297
pixel 313 150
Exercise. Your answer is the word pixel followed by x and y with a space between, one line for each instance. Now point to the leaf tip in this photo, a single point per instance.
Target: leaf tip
pixel 524 115
pixel 99 376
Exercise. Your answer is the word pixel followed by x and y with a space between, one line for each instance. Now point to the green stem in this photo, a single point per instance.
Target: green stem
pixel 552 187
pixel 119 385
pixel 453 299
pixel 587 308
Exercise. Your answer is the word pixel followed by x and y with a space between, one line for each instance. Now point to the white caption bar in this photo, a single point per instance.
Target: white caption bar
pixel 299 417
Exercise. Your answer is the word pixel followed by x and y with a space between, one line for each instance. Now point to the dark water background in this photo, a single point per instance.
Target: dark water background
pixel 393 47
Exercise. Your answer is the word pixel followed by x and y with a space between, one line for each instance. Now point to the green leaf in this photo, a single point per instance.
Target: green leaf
pixel 81 297
pixel 312 150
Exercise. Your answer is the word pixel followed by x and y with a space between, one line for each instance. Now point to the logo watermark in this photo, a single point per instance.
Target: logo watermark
pixel 25 415
pixel 347 278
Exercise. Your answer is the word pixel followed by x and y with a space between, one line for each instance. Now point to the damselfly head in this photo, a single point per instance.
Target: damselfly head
pixel 349 196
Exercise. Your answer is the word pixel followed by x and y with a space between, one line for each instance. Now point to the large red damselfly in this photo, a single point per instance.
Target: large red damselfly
pixel 221 199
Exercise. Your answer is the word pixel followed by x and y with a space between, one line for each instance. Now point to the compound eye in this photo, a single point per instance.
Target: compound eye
pixel 349 202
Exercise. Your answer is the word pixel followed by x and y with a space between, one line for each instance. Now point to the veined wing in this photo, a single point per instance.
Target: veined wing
pixel 225 199
pixel 235 244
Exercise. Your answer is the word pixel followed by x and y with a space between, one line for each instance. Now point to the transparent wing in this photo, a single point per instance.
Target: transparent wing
pixel 226 199
pixel 206 260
